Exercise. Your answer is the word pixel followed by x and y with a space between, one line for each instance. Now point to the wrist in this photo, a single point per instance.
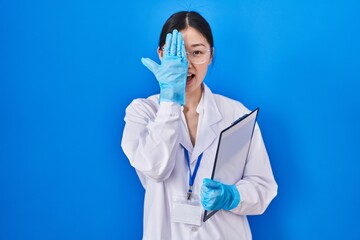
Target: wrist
pixel 235 198
pixel 173 94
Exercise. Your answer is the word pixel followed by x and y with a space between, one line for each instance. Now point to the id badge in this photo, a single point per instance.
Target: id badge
pixel 186 211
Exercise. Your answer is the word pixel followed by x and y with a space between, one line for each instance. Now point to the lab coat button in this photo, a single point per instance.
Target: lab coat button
pixel 194 229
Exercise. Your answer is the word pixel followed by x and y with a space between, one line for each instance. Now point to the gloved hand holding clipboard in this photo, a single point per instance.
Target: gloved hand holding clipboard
pixel 232 152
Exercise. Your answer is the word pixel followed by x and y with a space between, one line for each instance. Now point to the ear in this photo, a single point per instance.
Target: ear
pixel 212 55
pixel 160 53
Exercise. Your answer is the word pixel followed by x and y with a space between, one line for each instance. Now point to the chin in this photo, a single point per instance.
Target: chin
pixel 192 86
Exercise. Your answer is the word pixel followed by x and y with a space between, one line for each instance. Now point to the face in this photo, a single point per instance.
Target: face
pixel 194 42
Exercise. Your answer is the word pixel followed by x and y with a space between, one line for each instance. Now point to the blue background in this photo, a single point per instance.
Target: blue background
pixel 68 69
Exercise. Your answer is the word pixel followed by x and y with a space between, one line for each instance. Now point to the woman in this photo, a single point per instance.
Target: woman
pixel 167 136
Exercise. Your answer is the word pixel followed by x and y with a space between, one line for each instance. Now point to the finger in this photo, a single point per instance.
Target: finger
pixel 173 42
pixel 205 205
pixel 167 44
pixel 150 64
pixel 183 51
pixel 179 45
pixel 211 194
pixel 203 191
pixel 208 204
pixel 204 200
pixel 211 183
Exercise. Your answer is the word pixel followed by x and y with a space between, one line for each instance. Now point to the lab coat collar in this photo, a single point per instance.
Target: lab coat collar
pixel 200 107
pixel 207 130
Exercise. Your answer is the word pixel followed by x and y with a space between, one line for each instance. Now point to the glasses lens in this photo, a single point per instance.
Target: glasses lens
pixel 198 56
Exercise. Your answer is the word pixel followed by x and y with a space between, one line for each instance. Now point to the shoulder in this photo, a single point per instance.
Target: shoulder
pixel 228 104
pixel 226 101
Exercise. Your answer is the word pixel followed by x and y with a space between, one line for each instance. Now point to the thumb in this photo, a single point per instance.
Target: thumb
pixel 150 64
pixel 209 183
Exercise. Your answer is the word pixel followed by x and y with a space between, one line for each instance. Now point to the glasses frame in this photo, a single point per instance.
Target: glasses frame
pixel 189 53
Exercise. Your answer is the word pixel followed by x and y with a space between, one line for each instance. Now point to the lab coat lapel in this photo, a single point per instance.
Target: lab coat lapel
pixel 208 130
pixel 184 136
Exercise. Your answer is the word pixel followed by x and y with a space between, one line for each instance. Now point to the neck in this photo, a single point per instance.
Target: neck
pixel 193 99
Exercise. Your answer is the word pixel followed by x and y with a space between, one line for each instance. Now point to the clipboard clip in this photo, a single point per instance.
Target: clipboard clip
pixel 239 119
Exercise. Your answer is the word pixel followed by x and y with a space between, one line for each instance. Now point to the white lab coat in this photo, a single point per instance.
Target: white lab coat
pixel 152 140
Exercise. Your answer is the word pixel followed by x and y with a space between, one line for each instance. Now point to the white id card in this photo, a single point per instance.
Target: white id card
pixel 186 211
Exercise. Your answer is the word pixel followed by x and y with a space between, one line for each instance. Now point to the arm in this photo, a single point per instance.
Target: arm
pixel 253 193
pixel 150 138
pixel 257 187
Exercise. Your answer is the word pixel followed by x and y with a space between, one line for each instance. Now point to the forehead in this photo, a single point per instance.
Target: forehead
pixel 193 37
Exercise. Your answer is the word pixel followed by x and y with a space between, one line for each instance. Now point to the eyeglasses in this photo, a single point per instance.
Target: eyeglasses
pixel 197 56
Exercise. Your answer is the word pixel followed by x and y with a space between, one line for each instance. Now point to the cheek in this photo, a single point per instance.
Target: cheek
pixel 201 72
pixel 203 69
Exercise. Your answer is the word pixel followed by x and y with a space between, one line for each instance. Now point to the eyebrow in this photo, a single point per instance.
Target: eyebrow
pixel 198 44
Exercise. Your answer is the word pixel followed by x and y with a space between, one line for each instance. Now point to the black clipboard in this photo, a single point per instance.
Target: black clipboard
pixel 232 152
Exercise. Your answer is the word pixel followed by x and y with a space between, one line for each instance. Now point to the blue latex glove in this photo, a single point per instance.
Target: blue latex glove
pixel 172 72
pixel 216 195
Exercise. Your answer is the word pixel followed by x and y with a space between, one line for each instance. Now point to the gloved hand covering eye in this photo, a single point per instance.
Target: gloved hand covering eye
pixel 172 72
pixel 216 195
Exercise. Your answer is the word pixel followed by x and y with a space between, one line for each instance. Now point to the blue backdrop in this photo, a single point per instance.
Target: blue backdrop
pixel 68 69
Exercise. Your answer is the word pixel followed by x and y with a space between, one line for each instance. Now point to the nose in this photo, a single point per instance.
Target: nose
pixel 190 64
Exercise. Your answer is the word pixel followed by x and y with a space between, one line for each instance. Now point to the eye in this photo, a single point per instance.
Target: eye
pixel 197 53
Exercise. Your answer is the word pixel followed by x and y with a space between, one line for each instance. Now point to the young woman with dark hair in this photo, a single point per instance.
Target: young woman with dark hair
pixel 171 140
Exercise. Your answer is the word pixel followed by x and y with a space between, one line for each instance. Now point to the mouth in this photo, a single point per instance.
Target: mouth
pixel 190 77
